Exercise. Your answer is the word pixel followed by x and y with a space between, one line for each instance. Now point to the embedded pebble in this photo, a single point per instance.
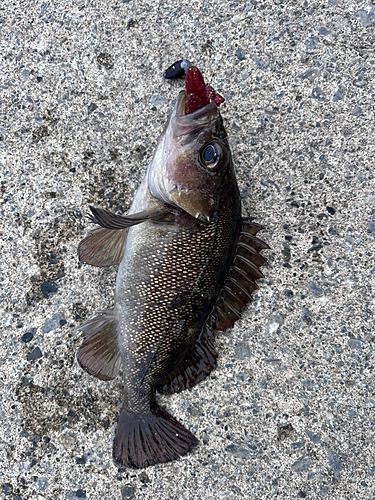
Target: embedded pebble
pixel 35 354
pixel 127 493
pixel 240 54
pixel 49 289
pixel 354 344
pixel 314 436
pixel 92 108
pixel 317 94
pixel 42 483
pixel 158 100
pixel 301 464
pixel 339 94
pixel 357 111
pixel 236 126
pixel 315 290
pixel 29 335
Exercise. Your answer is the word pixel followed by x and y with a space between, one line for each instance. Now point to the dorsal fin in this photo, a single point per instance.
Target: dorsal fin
pixel 240 281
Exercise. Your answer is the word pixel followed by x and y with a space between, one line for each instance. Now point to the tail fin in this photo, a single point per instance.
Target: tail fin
pixel 148 439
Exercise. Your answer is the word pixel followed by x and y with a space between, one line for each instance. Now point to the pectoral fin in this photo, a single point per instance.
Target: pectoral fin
pixel 112 221
pixel 103 247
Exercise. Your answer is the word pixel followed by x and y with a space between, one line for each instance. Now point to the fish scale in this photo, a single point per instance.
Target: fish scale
pixel 188 266
pixel 186 263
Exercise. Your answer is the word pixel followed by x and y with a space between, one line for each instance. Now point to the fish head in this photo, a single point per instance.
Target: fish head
pixel 192 166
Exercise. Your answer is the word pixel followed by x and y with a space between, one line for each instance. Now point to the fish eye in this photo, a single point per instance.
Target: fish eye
pixel 211 155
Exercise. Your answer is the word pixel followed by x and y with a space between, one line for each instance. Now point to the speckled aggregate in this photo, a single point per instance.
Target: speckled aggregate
pixel 289 411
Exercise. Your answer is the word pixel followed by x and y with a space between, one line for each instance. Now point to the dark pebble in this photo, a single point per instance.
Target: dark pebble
pixel 29 335
pixel 284 431
pixel 81 460
pixel 143 477
pixel 315 290
pixel 48 289
pixel 7 488
pixel 240 55
pixel 127 493
pixel 35 354
pixel 81 494
pixel 238 451
pixel 92 108
pixel 331 210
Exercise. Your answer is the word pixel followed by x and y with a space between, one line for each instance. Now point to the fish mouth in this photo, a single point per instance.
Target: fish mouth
pixel 183 125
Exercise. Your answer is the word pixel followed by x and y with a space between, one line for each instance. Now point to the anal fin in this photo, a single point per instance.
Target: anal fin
pixel 99 354
pixel 196 364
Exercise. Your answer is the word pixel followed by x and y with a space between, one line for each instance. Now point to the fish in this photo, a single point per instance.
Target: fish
pixel 188 264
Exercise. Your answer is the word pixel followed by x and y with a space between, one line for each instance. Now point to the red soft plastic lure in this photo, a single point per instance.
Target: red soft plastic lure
pixel 198 93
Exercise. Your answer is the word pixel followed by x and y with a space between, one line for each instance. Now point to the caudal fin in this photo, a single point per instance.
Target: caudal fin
pixel 148 439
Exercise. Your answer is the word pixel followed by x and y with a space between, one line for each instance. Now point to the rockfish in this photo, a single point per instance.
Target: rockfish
pixel 188 264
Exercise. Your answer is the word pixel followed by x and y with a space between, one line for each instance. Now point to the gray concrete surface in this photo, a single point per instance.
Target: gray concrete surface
pixel 290 410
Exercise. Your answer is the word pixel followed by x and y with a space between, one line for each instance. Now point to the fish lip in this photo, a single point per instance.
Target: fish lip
pixel 182 124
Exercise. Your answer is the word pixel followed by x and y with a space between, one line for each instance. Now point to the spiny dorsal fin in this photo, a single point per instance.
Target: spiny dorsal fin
pixel 196 364
pixel 240 281
pixel 103 247
pixel 99 354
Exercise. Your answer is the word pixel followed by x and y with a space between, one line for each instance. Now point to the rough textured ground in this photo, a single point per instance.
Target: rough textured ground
pixel 290 410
